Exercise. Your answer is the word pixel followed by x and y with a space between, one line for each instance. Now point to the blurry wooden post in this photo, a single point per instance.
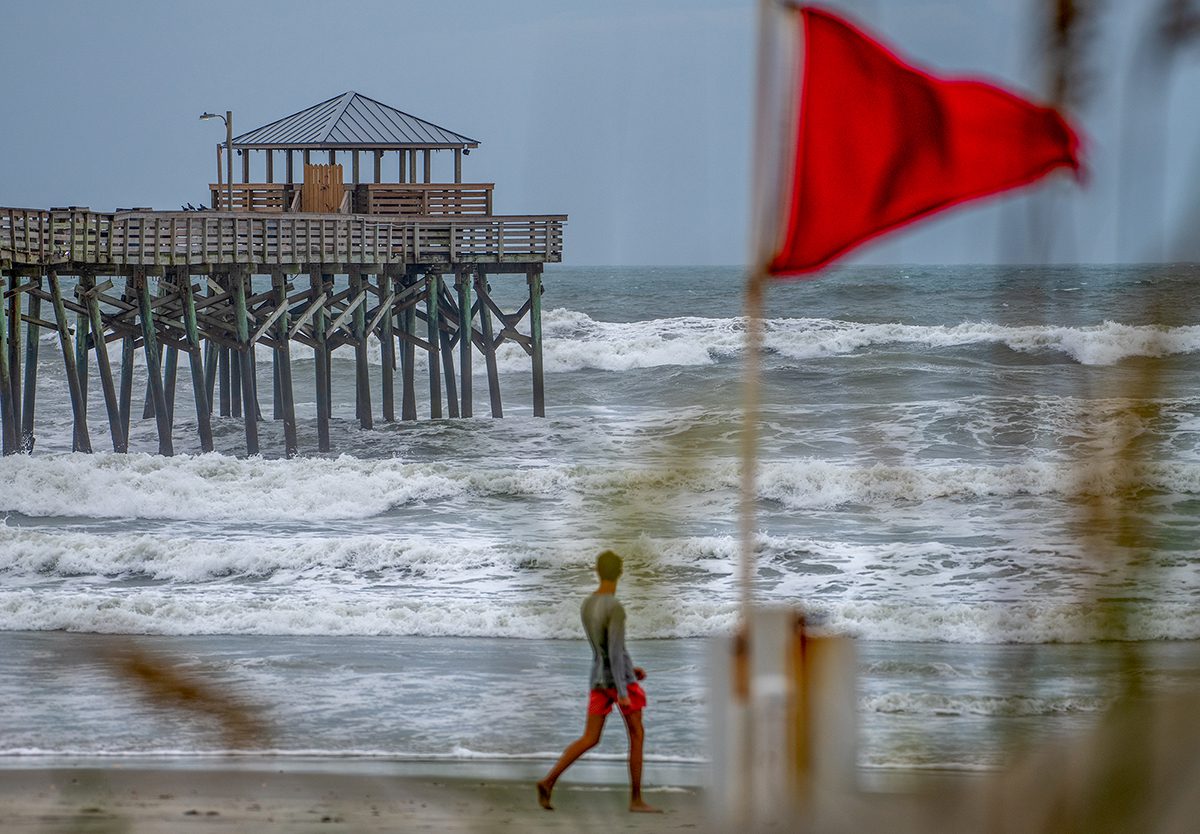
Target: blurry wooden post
pixel 224 382
pixel 466 328
pixel 285 368
pixel 489 342
pixel 387 339
pixel 320 323
pixel 199 383
pixel 432 289
pixel 534 278
pixel 80 441
pixel 31 366
pixel 8 411
pixel 153 372
pixel 88 286
pixel 241 279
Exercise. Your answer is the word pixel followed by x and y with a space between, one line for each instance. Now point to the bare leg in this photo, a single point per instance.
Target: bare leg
pixel 589 739
pixel 633 723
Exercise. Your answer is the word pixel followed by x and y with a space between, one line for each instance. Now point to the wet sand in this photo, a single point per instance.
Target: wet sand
pixel 148 801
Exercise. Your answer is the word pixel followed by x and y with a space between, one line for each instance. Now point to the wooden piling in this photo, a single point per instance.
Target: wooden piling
pixel 120 442
pixel 8 412
pixel 535 331
pixel 170 376
pixel 153 371
pixel 200 389
pixel 235 377
pixel 284 363
pixel 320 323
pixel 223 382
pixel 408 395
pixel 80 441
pixel 466 328
pixel 433 282
pixel 448 374
pixel 127 355
pixel 245 348
pixel 489 343
pixel 387 340
pixel 29 401
pixel 81 351
pixel 14 354
pixel 362 376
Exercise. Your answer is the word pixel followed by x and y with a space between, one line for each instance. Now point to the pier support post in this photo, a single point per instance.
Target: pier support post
pixel 127 352
pixel 489 342
pixel 448 361
pixel 223 371
pixel 200 391
pixel 387 339
pixel 466 328
pixel 80 442
pixel 362 376
pixel 170 376
pixel 87 284
pixel 8 411
pixel 534 277
pixel 433 282
pixel 284 363
pixel 153 371
pixel 408 394
pixel 320 323
pixel 245 348
pixel 81 349
pixel 31 366
pixel 235 375
pixel 14 356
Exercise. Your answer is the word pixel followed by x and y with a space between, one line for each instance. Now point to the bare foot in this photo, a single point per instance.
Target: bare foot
pixel 543 791
pixel 637 806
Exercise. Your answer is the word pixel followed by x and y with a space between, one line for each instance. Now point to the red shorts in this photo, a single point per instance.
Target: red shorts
pixel 601 701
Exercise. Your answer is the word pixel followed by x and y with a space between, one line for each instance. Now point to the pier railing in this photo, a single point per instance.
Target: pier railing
pixel 404 199
pixel 159 238
pixel 254 196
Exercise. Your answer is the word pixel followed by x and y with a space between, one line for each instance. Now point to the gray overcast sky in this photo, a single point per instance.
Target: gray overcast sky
pixel 632 117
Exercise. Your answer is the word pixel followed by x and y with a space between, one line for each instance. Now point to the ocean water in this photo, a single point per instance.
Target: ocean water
pixel 946 474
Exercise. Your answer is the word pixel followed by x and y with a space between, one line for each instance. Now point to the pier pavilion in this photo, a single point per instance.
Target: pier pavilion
pixel 262 266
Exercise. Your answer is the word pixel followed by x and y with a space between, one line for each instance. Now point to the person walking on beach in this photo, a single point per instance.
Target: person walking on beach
pixel 613 680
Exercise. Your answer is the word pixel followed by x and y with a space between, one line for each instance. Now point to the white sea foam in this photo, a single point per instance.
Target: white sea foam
pixel 574 341
pixel 943 704
pixel 302 611
pixel 216 487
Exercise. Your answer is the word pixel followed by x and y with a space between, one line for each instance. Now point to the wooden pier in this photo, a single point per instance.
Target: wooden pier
pixel 210 285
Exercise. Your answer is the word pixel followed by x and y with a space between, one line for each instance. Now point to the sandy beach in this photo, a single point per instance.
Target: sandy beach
pixel 150 800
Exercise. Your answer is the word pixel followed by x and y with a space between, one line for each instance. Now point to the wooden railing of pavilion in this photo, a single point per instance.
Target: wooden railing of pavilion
pixel 162 238
pixel 405 199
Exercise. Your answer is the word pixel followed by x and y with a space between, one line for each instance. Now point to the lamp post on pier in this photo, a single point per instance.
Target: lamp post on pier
pixel 228 120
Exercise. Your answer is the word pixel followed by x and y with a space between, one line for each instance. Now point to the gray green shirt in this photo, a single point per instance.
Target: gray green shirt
pixel 604 624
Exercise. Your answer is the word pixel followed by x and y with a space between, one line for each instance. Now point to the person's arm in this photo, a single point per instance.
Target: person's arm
pixel 616 650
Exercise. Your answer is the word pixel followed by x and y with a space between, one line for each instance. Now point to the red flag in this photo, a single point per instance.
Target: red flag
pixel 880 144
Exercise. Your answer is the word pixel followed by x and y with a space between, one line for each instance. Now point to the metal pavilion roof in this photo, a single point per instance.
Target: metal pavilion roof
pixel 351 121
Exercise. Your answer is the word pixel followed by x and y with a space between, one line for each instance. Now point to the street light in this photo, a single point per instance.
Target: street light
pixel 228 120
